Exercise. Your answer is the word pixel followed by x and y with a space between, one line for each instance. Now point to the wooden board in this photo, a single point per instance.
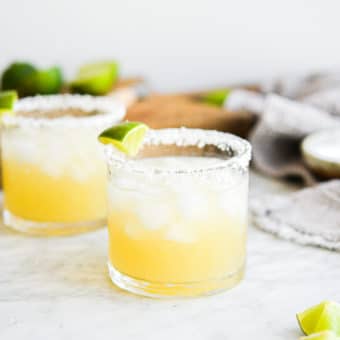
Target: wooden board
pixel 164 111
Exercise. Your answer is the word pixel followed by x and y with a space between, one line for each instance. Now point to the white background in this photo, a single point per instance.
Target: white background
pixel 176 44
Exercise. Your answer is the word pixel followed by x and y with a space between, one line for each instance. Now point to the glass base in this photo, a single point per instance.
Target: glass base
pixel 49 228
pixel 167 290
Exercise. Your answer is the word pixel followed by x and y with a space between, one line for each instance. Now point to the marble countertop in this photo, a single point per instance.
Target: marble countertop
pixel 58 288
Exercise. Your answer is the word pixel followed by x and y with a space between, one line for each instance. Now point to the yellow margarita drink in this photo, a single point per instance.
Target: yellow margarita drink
pixel 54 174
pixel 178 213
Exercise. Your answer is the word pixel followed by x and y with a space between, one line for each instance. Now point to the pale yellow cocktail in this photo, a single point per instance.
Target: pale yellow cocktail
pixel 54 173
pixel 178 214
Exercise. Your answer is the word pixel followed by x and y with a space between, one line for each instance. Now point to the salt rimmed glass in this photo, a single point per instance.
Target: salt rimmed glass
pixel 54 173
pixel 178 213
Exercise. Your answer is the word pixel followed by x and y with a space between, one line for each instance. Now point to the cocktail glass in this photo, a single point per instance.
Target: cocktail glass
pixel 54 173
pixel 178 213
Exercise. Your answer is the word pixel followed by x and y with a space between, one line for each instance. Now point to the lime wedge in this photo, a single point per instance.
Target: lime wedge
pixel 216 97
pixel 322 317
pixel 8 99
pixel 325 335
pixel 126 137
pixel 6 112
pixel 18 77
pixel 96 78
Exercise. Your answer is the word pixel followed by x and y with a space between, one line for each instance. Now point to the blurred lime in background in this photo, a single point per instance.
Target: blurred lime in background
pixel 27 80
pixel 18 77
pixel 48 81
pixel 216 97
pixel 96 78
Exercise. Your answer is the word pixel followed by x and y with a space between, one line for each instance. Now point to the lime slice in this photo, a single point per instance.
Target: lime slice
pixel 8 99
pixel 18 77
pixel 325 335
pixel 322 317
pixel 126 137
pixel 216 97
pixel 47 81
pixel 96 79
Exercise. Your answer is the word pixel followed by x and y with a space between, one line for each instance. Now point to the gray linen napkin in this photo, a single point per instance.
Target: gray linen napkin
pixel 276 138
pixel 321 90
pixel 310 216
pixel 282 125
pixel 299 87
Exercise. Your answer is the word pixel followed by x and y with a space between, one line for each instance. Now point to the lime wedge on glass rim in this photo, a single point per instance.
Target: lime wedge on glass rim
pixel 96 79
pixel 325 335
pixel 7 101
pixel 322 317
pixel 126 137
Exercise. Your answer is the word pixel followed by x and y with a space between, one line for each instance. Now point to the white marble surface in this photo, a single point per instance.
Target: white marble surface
pixel 58 288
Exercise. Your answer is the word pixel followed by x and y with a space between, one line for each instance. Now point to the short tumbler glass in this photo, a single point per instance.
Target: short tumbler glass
pixel 54 173
pixel 178 213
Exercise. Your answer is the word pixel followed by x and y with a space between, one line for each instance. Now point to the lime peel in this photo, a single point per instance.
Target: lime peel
pixel 322 317
pixel 325 335
pixel 127 137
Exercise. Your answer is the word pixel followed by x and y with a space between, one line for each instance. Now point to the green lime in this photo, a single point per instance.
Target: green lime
pixel 96 79
pixel 18 77
pixel 8 99
pixel 47 81
pixel 325 335
pixel 216 97
pixel 29 81
pixel 322 317
pixel 126 137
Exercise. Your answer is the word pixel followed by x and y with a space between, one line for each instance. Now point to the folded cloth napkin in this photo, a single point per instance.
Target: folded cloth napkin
pixel 310 216
pixel 320 90
pixel 282 125
pixel 276 138
pixel 300 87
